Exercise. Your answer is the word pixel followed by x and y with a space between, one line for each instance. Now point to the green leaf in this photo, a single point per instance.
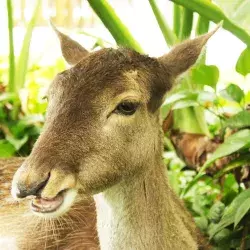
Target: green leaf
pixel 17 143
pixel 205 75
pixel 232 93
pixel 201 223
pixel 243 63
pixel 230 188
pixel 114 24
pixel 241 212
pixel 216 211
pixel 222 236
pixel 228 217
pixel 233 143
pixel 240 120
pixel 6 149
pixel 237 11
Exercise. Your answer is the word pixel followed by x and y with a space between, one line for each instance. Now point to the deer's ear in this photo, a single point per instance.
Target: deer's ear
pixel 184 55
pixel 72 51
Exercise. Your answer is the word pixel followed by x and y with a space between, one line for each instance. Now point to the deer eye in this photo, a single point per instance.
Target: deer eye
pixel 126 108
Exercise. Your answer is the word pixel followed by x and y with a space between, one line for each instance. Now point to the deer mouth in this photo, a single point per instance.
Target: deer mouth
pixel 41 205
pixel 55 207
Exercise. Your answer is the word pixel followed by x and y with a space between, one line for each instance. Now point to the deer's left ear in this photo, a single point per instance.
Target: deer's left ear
pixel 184 55
pixel 72 51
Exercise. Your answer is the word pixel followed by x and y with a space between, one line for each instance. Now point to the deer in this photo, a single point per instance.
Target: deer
pixel 20 229
pixel 102 137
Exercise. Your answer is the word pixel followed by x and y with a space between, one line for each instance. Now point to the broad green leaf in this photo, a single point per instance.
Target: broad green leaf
pixel 216 211
pixel 222 236
pixel 205 75
pixel 201 223
pixel 243 63
pixel 232 93
pixel 240 120
pixel 233 143
pixel 230 188
pixel 228 217
pixel 237 11
pixel 241 212
pixel 6 149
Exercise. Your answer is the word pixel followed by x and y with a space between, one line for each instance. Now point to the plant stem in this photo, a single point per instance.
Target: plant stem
pixel 215 14
pixel 11 84
pixel 177 20
pixel 187 24
pixel 202 26
pixel 168 34
pixel 114 24
pixel 23 60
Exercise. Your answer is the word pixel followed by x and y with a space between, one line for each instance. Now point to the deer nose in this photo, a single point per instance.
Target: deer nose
pixel 23 191
pixel 27 181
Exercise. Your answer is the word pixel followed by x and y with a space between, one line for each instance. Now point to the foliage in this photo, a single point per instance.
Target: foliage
pixel 220 201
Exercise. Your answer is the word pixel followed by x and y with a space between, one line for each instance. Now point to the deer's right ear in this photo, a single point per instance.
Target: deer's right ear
pixel 72 51
pixel 184 55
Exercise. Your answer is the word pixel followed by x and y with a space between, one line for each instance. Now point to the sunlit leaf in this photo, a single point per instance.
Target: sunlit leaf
pixel 201 223
pixel 232 93
pixel 243 63
pixel 233 143
pixel 240 120
pixel 205 75
pixel 6 149
pixel 216 211
pixel 228 217
pixel 237 11
pixel 241 212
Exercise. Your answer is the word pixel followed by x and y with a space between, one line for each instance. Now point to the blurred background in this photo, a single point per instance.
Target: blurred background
pixel 206 116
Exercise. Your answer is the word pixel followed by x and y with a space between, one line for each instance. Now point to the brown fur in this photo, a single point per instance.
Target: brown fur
pixel 74 231
pixel 87 145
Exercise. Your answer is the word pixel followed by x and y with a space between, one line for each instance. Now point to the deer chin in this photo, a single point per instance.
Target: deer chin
pixel 53 208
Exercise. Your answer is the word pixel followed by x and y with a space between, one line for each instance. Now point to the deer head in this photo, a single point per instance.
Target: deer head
pixel 102 123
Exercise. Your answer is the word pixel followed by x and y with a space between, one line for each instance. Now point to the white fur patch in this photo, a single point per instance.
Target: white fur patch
pixel 8 243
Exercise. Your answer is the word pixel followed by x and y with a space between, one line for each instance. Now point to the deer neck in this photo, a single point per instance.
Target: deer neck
pixel 143 214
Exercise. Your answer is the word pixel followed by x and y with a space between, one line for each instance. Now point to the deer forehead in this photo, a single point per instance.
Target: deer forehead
pixel 106 75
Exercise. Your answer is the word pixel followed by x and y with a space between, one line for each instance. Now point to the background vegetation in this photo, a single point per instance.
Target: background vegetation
pixel 207 128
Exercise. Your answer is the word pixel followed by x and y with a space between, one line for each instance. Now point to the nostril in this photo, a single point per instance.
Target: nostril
pixel 24 191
